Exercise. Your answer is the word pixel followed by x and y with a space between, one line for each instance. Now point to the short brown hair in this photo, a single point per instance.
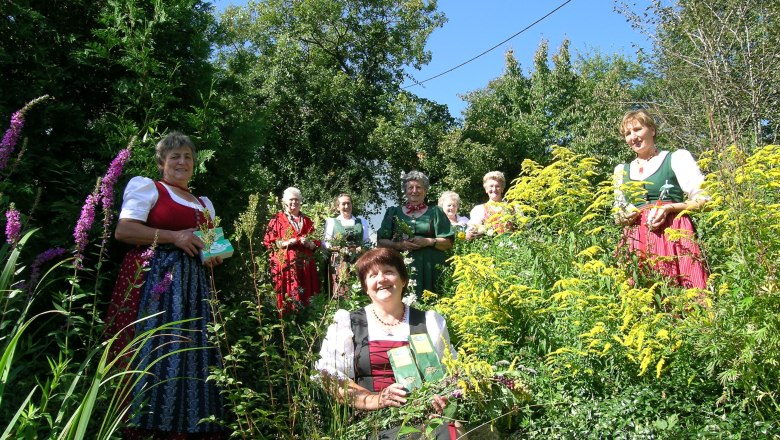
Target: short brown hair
pixel 642 116
pixel 380 256
pixel 335 205
pixel 173 141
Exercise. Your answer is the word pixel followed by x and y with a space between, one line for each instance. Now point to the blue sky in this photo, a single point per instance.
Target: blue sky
pixel 475 26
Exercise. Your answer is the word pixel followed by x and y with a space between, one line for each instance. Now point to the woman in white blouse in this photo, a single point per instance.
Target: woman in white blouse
pixel 449 202
pixel 670 184
pixel 346 237
pixel 353 358
pixel 483 215
pixel 159 217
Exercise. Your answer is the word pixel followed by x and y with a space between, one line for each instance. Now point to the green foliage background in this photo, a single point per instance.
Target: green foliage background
pixel 307 93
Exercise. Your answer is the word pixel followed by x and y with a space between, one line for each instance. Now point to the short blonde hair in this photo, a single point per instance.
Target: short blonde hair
pixel 642 116
pixel 449 195
pixel 498 176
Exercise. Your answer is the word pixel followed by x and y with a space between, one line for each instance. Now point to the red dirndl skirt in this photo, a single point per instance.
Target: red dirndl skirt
pixel 680 260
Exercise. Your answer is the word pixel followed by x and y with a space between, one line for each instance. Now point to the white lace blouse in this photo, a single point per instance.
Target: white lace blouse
pixel 337 354
pixel 141 195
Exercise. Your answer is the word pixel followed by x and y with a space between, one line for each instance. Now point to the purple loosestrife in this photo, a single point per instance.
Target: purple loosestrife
pixel 80 234
pixel 11 137
pixel 111 177
pixel 13 225
pixel 43 257
pixel 162 286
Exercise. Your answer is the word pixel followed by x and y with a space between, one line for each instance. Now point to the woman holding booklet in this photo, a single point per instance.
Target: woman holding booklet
pixel 354 360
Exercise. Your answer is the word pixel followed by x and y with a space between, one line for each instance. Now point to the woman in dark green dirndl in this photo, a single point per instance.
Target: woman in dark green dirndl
pixel 421 229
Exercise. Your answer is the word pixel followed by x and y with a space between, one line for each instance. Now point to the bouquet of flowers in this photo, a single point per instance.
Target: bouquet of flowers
pixel 475 396
pixel 401 230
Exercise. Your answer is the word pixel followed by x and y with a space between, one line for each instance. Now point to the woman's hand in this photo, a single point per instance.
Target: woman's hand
pixel 660 217
pixel 307 243
pixel 213 262
pixel 187 241
pixel 627 218
pixel 394 395
pixel 422 242
pixel 407 245
pixel 439 403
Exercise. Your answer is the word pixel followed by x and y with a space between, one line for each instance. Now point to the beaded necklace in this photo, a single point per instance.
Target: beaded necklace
pixel 373 310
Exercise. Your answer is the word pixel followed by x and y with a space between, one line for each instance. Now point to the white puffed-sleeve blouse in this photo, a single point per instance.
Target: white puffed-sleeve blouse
pixel 141 195
pixel 685 169
pixel 337 354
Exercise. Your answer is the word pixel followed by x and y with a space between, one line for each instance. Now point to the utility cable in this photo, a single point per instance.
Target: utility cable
pixel 419 83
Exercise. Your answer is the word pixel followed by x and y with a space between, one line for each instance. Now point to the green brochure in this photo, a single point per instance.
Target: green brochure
pixel 404 368
pixel 216 244
pixel 427 360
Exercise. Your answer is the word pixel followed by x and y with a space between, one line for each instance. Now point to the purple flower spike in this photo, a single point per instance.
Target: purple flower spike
pixel 80 234
pixel 162 286
pixel 43 257
pixel 111 177
pixel 13 225
pixel 11 137
pixel 457 394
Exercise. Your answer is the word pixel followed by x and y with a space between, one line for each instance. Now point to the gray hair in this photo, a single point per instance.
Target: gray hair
pixel 498 176
pixel 292 191
pixel 173 141
pixel 417 177
pixel 448 195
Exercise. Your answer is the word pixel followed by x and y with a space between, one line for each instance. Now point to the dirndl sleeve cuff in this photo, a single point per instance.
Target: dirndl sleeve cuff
pixel 139 198
pixel 337 354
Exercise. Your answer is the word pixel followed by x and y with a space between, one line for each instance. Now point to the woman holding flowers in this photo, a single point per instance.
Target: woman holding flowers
pixel 422 230
pixel 484 218
pixel 293 269
pixel 354 362
pixel 160 218
pixel 346 237
pixel 667 185
pixel 449 202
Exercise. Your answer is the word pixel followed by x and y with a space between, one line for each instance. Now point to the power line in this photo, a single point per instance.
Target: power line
pixel 418 83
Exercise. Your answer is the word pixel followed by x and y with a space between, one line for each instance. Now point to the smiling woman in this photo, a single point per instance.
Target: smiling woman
pixel 670 187
pixel 292 265
pixel 422 230
pixel 159 217
pixel 354 362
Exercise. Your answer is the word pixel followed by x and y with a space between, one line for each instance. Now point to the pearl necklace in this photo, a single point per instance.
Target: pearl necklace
pixel 373 310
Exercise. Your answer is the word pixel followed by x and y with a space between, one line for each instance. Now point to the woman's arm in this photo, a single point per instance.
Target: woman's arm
pixel 623 216
pixel 135 232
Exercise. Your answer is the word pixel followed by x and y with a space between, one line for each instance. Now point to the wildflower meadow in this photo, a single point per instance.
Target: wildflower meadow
pixel 559 332
pixel 554 333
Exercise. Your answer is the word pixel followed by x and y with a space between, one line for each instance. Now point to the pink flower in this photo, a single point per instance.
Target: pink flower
pixel 162 286
pixel 13 225
pixel 111 177
pixel 146 256
pixel 84 225
pixel 11 137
